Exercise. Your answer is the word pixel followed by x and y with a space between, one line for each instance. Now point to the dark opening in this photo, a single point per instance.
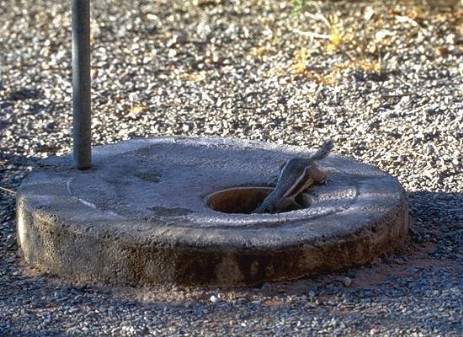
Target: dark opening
pixel 245 200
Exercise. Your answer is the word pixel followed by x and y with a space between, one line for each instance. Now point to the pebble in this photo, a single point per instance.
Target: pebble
pixel 389 93
pixel 214 299
pixel 346 281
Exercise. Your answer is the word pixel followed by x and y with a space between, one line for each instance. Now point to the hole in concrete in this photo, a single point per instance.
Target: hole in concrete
pixel 246 199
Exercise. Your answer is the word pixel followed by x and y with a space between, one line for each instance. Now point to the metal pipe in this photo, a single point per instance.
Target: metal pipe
pixel 81 105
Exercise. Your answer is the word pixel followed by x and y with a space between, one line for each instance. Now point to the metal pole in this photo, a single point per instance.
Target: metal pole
pixel 81 107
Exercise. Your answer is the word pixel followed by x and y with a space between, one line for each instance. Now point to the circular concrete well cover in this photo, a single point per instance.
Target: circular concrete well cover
pixel 177 210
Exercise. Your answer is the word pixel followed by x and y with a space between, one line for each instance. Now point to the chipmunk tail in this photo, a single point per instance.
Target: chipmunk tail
pixel 324 150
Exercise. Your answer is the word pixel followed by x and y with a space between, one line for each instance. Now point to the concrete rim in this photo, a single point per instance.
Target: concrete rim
pixel 80 225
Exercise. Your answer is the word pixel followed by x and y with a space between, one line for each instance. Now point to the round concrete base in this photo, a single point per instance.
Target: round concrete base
pixel 177 210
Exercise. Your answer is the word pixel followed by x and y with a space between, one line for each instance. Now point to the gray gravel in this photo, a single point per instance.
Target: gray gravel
pixel 384 81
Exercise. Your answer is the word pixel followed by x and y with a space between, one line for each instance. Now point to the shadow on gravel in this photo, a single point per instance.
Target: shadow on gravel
pixel 437 219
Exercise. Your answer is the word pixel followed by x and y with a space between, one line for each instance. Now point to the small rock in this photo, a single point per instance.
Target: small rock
pixel 346 281
pixel 311 294
pixel 214 299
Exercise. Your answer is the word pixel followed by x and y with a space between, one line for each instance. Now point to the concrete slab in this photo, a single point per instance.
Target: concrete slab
pixel 173 210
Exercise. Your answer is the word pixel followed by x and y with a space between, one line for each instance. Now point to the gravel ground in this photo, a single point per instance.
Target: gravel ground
pixel 384 81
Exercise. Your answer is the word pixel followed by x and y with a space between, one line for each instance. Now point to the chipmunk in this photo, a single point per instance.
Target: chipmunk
pixel 295 177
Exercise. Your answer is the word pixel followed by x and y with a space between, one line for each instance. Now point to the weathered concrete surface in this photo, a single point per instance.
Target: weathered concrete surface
pixel 141 215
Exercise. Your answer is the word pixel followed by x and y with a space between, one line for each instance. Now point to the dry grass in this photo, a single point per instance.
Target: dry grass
pixel 366 39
